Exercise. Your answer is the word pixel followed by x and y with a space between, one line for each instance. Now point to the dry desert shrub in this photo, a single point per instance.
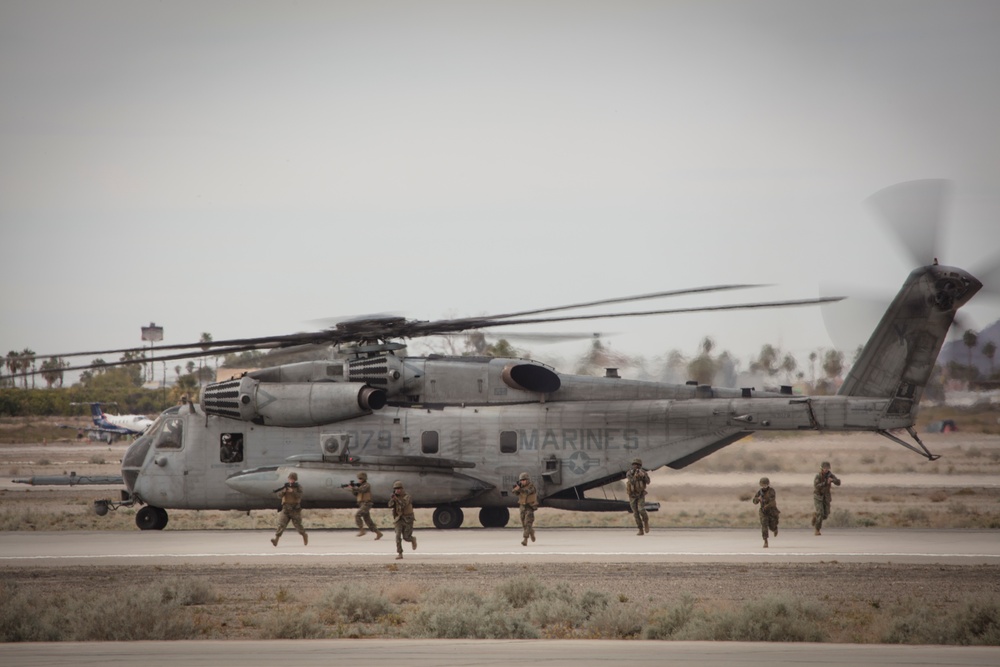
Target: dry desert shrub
pixel 617 621
pixel 772 619
pixel 977 622
pixel 456 613
pixel 287 622
pixel 147 613
pixel 352 604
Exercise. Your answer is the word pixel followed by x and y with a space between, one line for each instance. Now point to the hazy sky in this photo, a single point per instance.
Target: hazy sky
pixel 243 168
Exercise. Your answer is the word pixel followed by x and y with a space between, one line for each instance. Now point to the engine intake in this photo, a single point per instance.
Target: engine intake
pixel 530 377
pixel 291 404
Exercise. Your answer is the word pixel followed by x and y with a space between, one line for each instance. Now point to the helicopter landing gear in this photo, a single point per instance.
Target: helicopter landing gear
pixel 494 517
pixel 448 516
pixel 151 518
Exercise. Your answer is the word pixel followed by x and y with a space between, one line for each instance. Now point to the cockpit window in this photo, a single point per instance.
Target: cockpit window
pixel 171 435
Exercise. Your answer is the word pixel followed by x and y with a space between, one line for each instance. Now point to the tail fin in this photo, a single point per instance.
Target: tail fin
pixel 96 412
pixel 900 356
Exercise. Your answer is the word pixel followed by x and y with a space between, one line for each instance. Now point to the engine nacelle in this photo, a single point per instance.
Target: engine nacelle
pixel 291 404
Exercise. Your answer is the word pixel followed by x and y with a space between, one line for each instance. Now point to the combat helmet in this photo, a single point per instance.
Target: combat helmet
pixel 825 465
pixel 637 462
pixel 293 475
pixel 397 484
pixel 764 481
pixel 363 476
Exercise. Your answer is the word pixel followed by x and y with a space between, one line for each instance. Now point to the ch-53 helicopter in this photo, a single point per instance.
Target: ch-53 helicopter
pixel 458 430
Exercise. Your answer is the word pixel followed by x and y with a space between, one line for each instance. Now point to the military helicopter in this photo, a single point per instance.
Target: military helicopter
pixel 459 430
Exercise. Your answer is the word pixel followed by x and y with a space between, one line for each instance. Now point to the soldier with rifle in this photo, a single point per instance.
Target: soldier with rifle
pixel 291 508
pixel 636 481
pixel 822 495
pixel 362 491
pixel 768 501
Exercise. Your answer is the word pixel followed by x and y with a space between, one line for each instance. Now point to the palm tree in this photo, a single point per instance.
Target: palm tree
pixel 13 364
pixel 988 351
pixel 52 371
pixel 27 362
pixel 970 338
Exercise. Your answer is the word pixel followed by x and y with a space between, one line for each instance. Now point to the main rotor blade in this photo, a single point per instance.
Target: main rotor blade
pixel 914 212
pixel 136 362
pixel 261 343
pixel 625 299
pixel 671 311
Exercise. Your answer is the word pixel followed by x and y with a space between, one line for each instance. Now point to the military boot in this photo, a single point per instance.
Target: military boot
pixel 399 556
pixel 361 532
pixel 274 541
pixel 640 531
pixel 816 532
pixel 305 539
pixel 378 534
pixel 645 523
pixel 413 543
pixel 524 542
pixel 765 542
pixel 775 531
pixel 531 534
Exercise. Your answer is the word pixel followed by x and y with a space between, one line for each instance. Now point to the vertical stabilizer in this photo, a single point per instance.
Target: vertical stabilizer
pixel 96 413
pixel 900 356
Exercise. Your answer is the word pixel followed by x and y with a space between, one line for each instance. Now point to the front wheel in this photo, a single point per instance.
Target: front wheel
pixel 448 516
pixel 151 518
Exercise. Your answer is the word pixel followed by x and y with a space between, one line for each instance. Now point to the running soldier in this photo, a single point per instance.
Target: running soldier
pixel 822 495
pixel 291 508
pixel 768 501
pixel 527 499
pixel 636 481
pixel 402 518
pixel 363 493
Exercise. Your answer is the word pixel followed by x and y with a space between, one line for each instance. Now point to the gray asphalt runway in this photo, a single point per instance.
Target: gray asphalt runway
pixel 957 547
pixel 486 653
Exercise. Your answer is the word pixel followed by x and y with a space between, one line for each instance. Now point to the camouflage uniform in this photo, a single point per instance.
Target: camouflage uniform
pixel 636 481
pixel 363 493
pixel 291 509
pixel 822 495
pixel 402 518
pixel 527 499
pixel 768 501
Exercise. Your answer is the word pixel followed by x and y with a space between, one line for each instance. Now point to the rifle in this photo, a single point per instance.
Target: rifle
pixel 282 487
pixel 351 484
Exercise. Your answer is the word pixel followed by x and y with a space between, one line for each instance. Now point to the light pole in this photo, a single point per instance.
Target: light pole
pixel 153 334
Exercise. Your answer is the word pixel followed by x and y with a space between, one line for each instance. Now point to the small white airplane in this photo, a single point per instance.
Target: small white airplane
pixel 108 426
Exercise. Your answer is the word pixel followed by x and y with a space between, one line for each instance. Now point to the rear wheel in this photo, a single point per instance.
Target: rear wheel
pixel 494 517
pixel 448 516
